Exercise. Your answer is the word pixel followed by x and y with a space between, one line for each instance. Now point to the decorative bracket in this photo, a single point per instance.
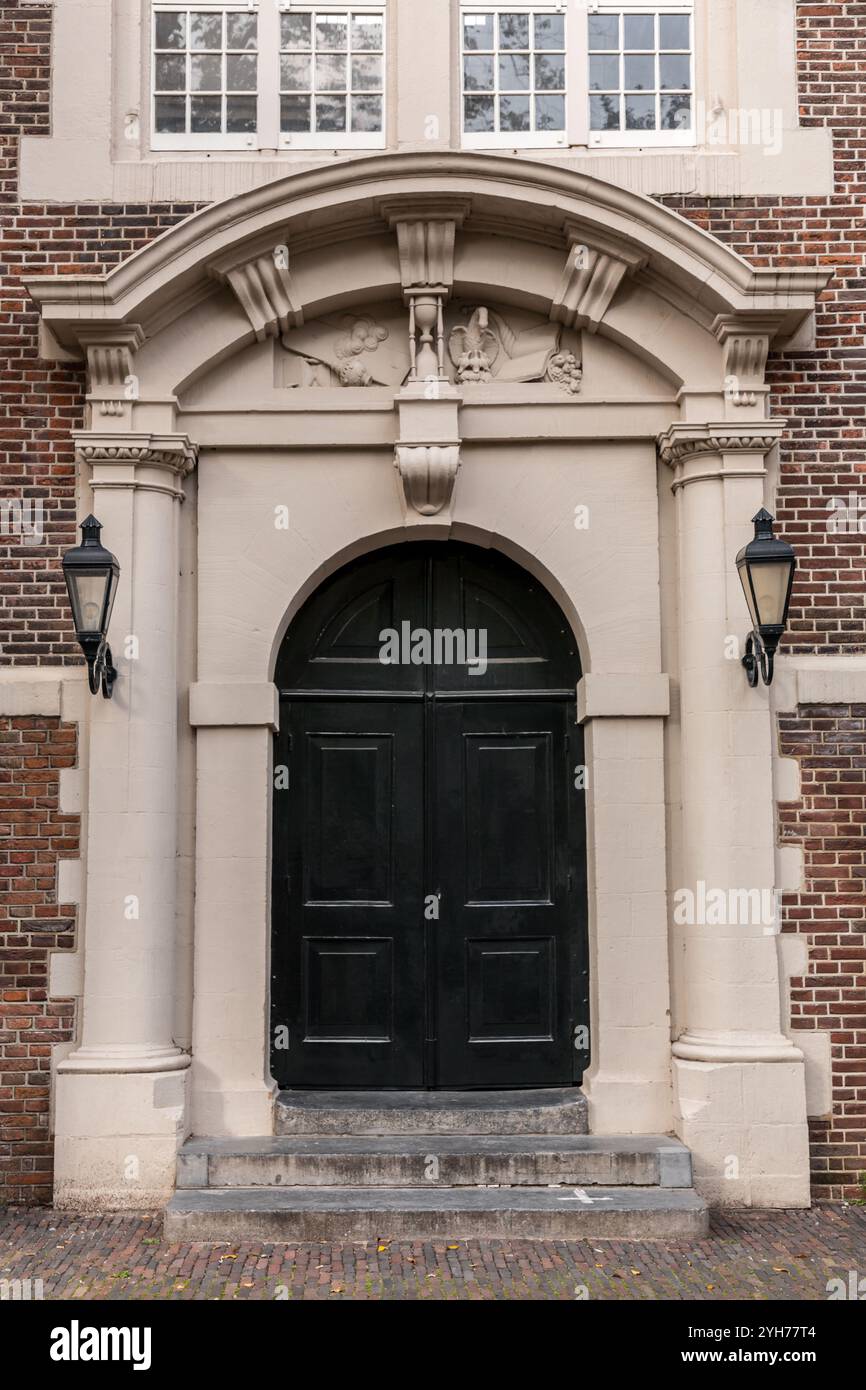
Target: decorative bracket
pixel 427 474
pixel 109 351
pixel 589 281
pixel 263 286
pixel 426 227
pixel 745 343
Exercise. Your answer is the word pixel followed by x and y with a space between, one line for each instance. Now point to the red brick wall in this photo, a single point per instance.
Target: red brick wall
pixel 33 835
pixel 829 821
pixel 821 392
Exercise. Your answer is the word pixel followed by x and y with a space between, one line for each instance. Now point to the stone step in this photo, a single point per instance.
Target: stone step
pixel 559 1110
pixel 441 1160
pixel 411 1213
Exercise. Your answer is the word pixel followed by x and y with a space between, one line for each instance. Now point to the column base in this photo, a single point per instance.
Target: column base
pixel 123 1058
pixel 116 1137
pixel 745 1123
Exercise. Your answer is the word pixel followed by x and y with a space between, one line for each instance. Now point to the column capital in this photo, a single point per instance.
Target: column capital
pixel 154 462
pixel 718 450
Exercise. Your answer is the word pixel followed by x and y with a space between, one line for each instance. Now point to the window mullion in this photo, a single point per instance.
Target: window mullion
pixel 268 79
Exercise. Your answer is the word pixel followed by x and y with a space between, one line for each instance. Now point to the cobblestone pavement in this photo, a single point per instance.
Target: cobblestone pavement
pixel 752 1255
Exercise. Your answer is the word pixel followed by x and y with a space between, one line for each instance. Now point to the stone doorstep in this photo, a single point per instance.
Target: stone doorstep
pixel 460 1161
pixel 559 1110
pixel 354 1214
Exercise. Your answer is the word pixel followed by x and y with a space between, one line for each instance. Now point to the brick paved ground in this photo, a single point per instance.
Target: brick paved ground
pixel 787 1255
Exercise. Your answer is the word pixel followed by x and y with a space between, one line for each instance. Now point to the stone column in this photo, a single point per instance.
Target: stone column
pixel 120 1098
pixel 739 1088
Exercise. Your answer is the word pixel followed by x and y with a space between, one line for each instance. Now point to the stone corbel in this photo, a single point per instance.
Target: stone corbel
pixel 425 227
pixel 428 473
pixel 745 343
pixel 263 286
pixel 109 350
pixel 590 279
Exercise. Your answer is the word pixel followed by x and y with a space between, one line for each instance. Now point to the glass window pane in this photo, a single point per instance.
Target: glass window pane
pixel 603 31
pixel 330 72
pixel 240 31
pixel 478 31
pixel 478 114
pixel 639 73
pixel 296 72
pixel 514 72
pixel 241 115
pixel 295 114
pixel 367 74
pixel 550 70
pixel 514 31
pixel 514 113
pixel 170 73
pixel 640 113
pixel 366 113
pixel 477 73
pixel 241 72
pixel 295 30
pixel 331 113
pixel 550 112
pixel 206 73
pixel 604 113
pixel 639 31
pixel 674 30
pixel 205 31
pixel 549 31
pixel 331 32
pixel 170 30
pixel 206 115
pixel 674 70
pixel 676 113
pixel 170 115
pixel 367 32
pixel 603 74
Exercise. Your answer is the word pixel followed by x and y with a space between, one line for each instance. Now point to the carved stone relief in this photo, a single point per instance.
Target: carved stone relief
pixel 391 344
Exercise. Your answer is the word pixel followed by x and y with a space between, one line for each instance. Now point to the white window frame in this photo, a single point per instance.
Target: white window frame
pixel 189 140
pixel 335 139
pixel 523 139
pixel 577 93
pixel 629 139
pixel 267 135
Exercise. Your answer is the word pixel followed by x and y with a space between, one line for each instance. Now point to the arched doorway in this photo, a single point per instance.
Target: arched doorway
pixel 429 895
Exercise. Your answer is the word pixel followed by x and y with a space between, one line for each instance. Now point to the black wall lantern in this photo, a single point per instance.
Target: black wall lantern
pixel 766 569
pixel 91 573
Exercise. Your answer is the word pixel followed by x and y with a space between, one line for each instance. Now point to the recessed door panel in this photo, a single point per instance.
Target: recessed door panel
pixel 507 781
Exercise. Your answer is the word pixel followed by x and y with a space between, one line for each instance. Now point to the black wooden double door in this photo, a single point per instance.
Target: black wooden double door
pixel 429 898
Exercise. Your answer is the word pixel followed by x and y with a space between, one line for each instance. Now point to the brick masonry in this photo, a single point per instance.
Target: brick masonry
pixel 822 392
pixel 829 742
pixel 34 834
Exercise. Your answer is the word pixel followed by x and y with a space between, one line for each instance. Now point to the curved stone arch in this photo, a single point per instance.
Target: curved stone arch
pixel 471 535
pixel 554 210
